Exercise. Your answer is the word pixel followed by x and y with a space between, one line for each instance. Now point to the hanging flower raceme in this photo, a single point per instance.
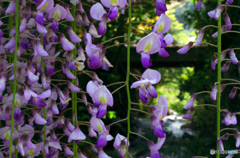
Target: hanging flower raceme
pixel 101 97
pixel 147 45
pixel 144 85
pixel 97 12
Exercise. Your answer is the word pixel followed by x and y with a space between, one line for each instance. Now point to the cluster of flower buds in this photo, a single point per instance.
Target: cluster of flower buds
pixel 28 55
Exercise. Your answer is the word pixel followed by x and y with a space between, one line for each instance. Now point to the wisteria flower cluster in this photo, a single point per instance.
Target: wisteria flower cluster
pixel 33 106
pixel 217 59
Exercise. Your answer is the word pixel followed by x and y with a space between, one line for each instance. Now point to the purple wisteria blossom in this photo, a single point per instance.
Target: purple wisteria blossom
pixel 147 45
pixel 149 77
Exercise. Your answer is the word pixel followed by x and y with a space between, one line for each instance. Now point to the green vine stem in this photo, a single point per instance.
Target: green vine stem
pixel 219 78
pixel 15 77
pixel 74 95
pixel 128 70
pixel 44 109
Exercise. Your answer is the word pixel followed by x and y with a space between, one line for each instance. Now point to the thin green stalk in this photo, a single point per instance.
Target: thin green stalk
pixel 44 109
pixel 15 77
pixel 219 79
pixel 74 95
pixel 128 70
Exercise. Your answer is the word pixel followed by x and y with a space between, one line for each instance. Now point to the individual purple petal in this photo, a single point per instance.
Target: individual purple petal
pixel 66 44
pixel 24 43
pixel 149 44
pixel 93 31
pixel 190 102
pixel 102 28
pixel 113 13
pixel 158 145
pixel 19 147
pixel 199 37
pixel 45 94
pixel 23 24
pixel 55 26
pixel 185 49
pixel 162 25
pixel 145 60
pixel 214 92
pixel 68 152
pixel 69 16
pixel 72 35
pixel 233 57
pixel 97 11
pixel 10 44
pixel 91 132
pixel 143 95
pixel 225 67
pixel 223 86
pixel 151 91
pixel 30 145
pixel 102 141
pixel 228 2
pixel 38 119
pixel 11 8
pixel 102 154
pixel 2 82
pixel 40 18
pixel 33 78
pixel 77 135
pixel 227 22
pixel 94 62
pixel 58 12
pixel 102 110
pixel 17 113
pixel 91 87
pixel 46 5
pixel 98 125
pixel 103 95
pixel 220 144
pixel 41 29
pixel 233 119
pixel 233 92
pixel 160 5
pixel 189 114
pixel 72 87
pixel 152 75
pixel 158 131
pixel 199 4
pixel 225 136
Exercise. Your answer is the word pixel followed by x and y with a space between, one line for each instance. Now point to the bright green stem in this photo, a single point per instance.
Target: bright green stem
pixel 74 95
pixel 219 79
pixel 128 70
pixel 44 109
pixel 15 77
